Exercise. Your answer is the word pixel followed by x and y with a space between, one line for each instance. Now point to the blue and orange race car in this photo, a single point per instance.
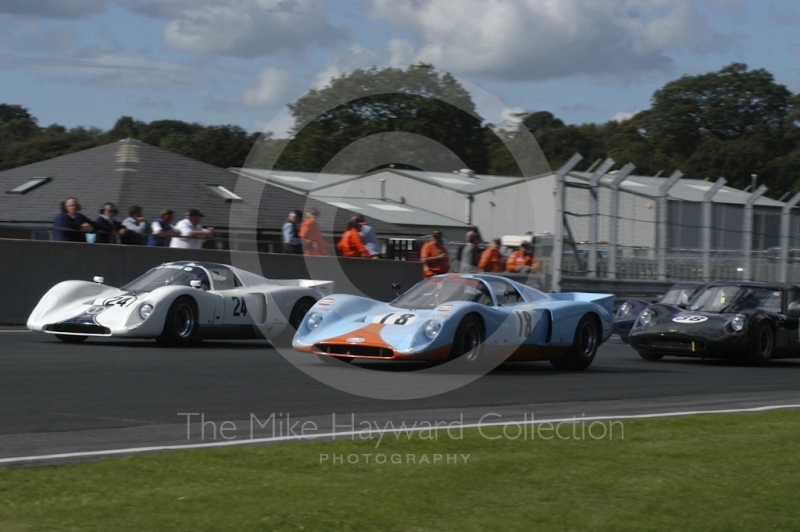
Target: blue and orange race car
pixel 468 317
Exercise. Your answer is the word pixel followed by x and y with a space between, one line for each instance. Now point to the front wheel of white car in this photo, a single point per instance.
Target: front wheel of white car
pixel 181 327
pixel 71 338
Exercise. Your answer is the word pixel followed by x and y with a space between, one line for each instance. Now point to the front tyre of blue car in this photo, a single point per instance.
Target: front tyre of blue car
pixel 181 326
pixel 468 341
pixel 762 344
pixel 584 346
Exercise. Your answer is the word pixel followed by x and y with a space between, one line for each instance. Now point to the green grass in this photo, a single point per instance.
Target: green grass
pixel 722 472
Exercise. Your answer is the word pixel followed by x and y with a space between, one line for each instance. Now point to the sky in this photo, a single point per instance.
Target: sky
pixel 240 62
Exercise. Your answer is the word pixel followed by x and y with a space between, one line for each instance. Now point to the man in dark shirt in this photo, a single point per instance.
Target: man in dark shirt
pixel 106 225
pixel 74 224
pixel 163 230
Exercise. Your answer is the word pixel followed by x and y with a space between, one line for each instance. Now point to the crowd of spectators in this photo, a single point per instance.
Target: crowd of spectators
pixel 71 225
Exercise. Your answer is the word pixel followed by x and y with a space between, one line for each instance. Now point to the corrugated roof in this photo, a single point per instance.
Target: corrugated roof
pixel 685 189
pixel 392 212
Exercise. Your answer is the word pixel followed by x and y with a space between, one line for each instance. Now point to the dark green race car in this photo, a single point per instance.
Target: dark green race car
pixel 753 322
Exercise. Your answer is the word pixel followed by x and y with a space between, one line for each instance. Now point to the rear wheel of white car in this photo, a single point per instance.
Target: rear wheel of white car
pixel 71 338
pixel 584 346
pixel 181 324
pixel 468 341
pixel 299 312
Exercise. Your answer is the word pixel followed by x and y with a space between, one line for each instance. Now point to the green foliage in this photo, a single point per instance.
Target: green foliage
pixel 418 101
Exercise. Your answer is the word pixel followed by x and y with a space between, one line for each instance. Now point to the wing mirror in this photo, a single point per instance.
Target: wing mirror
pixel 196 283
pixel 396 287
pixel 98 279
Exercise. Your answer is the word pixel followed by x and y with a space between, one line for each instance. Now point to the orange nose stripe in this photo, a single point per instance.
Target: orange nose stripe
pixel 369 335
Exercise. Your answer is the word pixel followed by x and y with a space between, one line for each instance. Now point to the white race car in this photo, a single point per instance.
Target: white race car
pixel 178 303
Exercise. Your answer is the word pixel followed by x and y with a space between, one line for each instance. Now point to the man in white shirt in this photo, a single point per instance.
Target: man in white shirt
pixel 190 227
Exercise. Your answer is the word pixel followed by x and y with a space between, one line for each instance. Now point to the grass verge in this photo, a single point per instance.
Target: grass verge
pixel 720 472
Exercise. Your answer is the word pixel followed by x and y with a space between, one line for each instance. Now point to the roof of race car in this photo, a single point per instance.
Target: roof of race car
pixel 756 284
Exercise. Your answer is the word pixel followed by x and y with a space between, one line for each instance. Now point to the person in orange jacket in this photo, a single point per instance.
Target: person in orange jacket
pixel 351 244
pixel 310 233
pixel 491 259
pixel 434 256
pixel 522 260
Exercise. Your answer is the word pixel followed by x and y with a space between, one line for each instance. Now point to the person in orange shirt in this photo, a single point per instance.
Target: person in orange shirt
pixel 491 259
pixel 351 244
pixel 522 260
pixel 310 233
pixel 434 256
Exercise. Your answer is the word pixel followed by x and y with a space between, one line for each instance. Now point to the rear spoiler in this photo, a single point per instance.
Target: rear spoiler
pixel 604 300
pixel 324 288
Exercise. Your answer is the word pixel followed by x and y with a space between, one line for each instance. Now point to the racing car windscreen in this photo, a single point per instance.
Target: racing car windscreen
pixel 168 275
pixel 437 290
pixel 734 298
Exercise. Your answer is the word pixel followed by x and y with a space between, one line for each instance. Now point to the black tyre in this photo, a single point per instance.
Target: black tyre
pixel 584 346
pixel 468 341
pixel 299 312
pixel 652 357
pixel 71 338
pixel 762 344
pixel 625 339
pixel 181 327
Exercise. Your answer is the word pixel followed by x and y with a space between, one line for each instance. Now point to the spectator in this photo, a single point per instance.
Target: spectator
pixel 522 260
pixel 469 254
pixel 434 257
pixel 491 259
pixel 311 235
pixel 291 238
pixel 107 226
pixel 369 238
pixel 162 230
pixel 75 224
pixel 191 232
pixel 351 244
pixel 137 227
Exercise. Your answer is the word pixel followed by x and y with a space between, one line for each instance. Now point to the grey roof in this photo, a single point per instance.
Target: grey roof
pixel 685 189
pixel 130 172
pixel 311 181
pixel 393 212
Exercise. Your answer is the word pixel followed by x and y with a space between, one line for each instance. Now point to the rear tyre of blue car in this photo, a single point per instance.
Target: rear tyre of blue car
pixel 181 324
pixel 468 341
pixel 584 346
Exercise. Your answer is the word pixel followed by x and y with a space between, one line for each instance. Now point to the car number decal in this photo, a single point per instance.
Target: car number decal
pixel 689 319
pixel 524 323
pixel 395 318
pixel 119 301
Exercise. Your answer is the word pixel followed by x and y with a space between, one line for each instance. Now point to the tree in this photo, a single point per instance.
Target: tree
pixel 418 101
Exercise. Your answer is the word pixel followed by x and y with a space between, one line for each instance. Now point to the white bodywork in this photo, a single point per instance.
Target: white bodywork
pixel 255 307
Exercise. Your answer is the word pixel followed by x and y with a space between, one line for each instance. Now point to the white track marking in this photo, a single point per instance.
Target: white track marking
pixel 333 435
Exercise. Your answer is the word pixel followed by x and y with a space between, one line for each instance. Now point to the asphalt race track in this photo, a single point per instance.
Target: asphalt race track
pixel 111 394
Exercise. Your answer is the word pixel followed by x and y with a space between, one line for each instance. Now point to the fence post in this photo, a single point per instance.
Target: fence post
pixel 593 238
pixel 558 226
pixel 707 197
pixel 747 243
pixel 663 205
pixel 786 213
pixel 621 176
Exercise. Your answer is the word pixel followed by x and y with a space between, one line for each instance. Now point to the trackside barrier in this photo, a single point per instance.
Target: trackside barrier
pixel 29 268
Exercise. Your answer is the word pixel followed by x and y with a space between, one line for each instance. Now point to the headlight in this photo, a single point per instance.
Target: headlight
pixel 145 311
pixel 647 318
pixel 738 322
pixel 314 321
pixel 625 310
pixel 433 328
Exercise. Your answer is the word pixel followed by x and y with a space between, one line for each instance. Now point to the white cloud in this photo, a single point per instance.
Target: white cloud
pixel 243 28
pixel 274 87
pixel 623 115
pixel 280 125
pixel 534 40
pixel 396 53
pixel 63 9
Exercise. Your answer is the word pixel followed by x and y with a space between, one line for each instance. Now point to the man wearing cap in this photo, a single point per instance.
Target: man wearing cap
pixel 491 259
pixel 292 243
pixel 434 257
pixel 192 233
pixel 522 260
pixel 310 233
